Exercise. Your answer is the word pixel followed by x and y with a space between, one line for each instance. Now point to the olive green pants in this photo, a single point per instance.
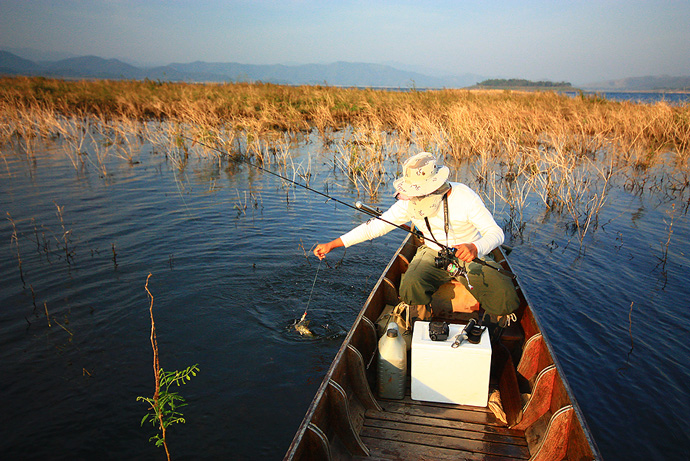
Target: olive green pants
pixel 494 291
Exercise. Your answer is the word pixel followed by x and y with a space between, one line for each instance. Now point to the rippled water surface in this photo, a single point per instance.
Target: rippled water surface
pixel 229 281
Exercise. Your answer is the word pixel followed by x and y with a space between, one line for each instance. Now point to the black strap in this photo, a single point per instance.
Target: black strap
pixel 446 226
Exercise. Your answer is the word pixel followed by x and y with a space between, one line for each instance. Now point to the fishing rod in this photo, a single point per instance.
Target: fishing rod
pixel 445 256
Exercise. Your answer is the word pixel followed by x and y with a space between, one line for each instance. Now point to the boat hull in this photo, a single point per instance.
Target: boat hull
pixel 346 420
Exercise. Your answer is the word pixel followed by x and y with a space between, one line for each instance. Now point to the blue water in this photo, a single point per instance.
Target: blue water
pixel 642 97
pixel 228 282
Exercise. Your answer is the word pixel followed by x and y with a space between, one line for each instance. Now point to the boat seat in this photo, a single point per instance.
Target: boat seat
pixel 535 358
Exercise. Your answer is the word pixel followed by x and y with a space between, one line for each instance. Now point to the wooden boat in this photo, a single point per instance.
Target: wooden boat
pixel 346 420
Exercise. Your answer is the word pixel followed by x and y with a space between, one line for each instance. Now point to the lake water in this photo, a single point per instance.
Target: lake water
pixel 229 281
pixel 645 97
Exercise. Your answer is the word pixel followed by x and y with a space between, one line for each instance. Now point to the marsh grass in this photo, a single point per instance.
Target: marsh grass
pixel 362 158
pixel 14 240
pixel 671 213
pixel 460 122
pixel 522 145
pixel 250 199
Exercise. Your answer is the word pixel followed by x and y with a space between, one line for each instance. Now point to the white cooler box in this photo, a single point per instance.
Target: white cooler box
pixel 441 373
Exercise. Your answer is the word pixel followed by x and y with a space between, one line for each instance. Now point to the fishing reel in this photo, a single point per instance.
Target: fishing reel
pixel 447 260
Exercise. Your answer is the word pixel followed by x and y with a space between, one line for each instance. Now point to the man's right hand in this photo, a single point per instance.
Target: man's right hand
pixel 322 249
pixel 466 251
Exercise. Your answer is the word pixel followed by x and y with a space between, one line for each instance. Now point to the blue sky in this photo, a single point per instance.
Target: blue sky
pixel 577 41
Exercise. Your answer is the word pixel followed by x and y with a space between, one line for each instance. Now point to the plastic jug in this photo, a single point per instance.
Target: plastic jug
pixel 392 364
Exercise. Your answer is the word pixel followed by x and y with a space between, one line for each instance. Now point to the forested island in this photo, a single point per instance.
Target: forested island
pixel 522 84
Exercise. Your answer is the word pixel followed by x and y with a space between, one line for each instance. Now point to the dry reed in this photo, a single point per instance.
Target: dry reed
pixel 458 122
pixel 539 144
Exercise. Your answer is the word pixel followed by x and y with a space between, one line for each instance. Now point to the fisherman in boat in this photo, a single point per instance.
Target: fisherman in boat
pixel 455 216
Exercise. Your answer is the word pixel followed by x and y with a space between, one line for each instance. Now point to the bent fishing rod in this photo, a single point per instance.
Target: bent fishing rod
pixel 359 206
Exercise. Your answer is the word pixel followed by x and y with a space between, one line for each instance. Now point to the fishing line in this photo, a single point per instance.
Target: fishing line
pixel 312 291
pixel 360 207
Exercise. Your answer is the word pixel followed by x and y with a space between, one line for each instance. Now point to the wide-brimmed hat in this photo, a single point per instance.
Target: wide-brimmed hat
pixel 421 176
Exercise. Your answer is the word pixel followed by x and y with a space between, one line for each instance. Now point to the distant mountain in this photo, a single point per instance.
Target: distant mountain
pixel 464 80
pixel 649 83
pixel 39 56
pixel 337 74
pixel 81 67
pixel 13 64
pixel 454 81
pixel 93 67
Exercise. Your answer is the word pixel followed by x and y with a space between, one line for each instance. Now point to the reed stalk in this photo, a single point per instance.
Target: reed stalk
pixel 45 308
pixel 66 234
pixel 15 240
pixel 671 213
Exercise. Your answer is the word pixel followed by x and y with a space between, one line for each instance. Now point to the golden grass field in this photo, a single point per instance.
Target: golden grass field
pixel 459 122
pixel 564 150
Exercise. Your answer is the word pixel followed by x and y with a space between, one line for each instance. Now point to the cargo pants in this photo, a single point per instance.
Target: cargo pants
pixel 494 291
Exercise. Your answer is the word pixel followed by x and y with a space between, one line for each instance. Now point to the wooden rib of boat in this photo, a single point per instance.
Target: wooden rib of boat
pixel 346 420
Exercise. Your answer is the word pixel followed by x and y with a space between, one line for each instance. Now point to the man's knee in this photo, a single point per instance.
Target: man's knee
pixel 501 299
pixel 413 290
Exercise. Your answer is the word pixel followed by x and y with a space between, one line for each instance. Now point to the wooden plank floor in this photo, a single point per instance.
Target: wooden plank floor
pixel 409 430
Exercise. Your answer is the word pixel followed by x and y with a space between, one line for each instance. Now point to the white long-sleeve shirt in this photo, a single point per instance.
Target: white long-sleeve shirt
pixel 469 222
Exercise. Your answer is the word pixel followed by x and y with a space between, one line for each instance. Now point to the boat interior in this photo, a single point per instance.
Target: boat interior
pixel 530 414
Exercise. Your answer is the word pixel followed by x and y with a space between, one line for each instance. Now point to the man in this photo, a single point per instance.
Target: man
pixel 448 213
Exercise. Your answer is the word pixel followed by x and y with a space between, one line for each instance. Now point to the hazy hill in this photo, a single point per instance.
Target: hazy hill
pixel 13 64
pixel 337 73
pixel 649 83
pixel 94 67
pixel 81 67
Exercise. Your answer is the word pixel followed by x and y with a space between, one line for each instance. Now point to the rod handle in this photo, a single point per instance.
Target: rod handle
pixel 367 209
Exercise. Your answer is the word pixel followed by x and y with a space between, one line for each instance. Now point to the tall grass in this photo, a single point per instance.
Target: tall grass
pixel 539 144
pixel 459 122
